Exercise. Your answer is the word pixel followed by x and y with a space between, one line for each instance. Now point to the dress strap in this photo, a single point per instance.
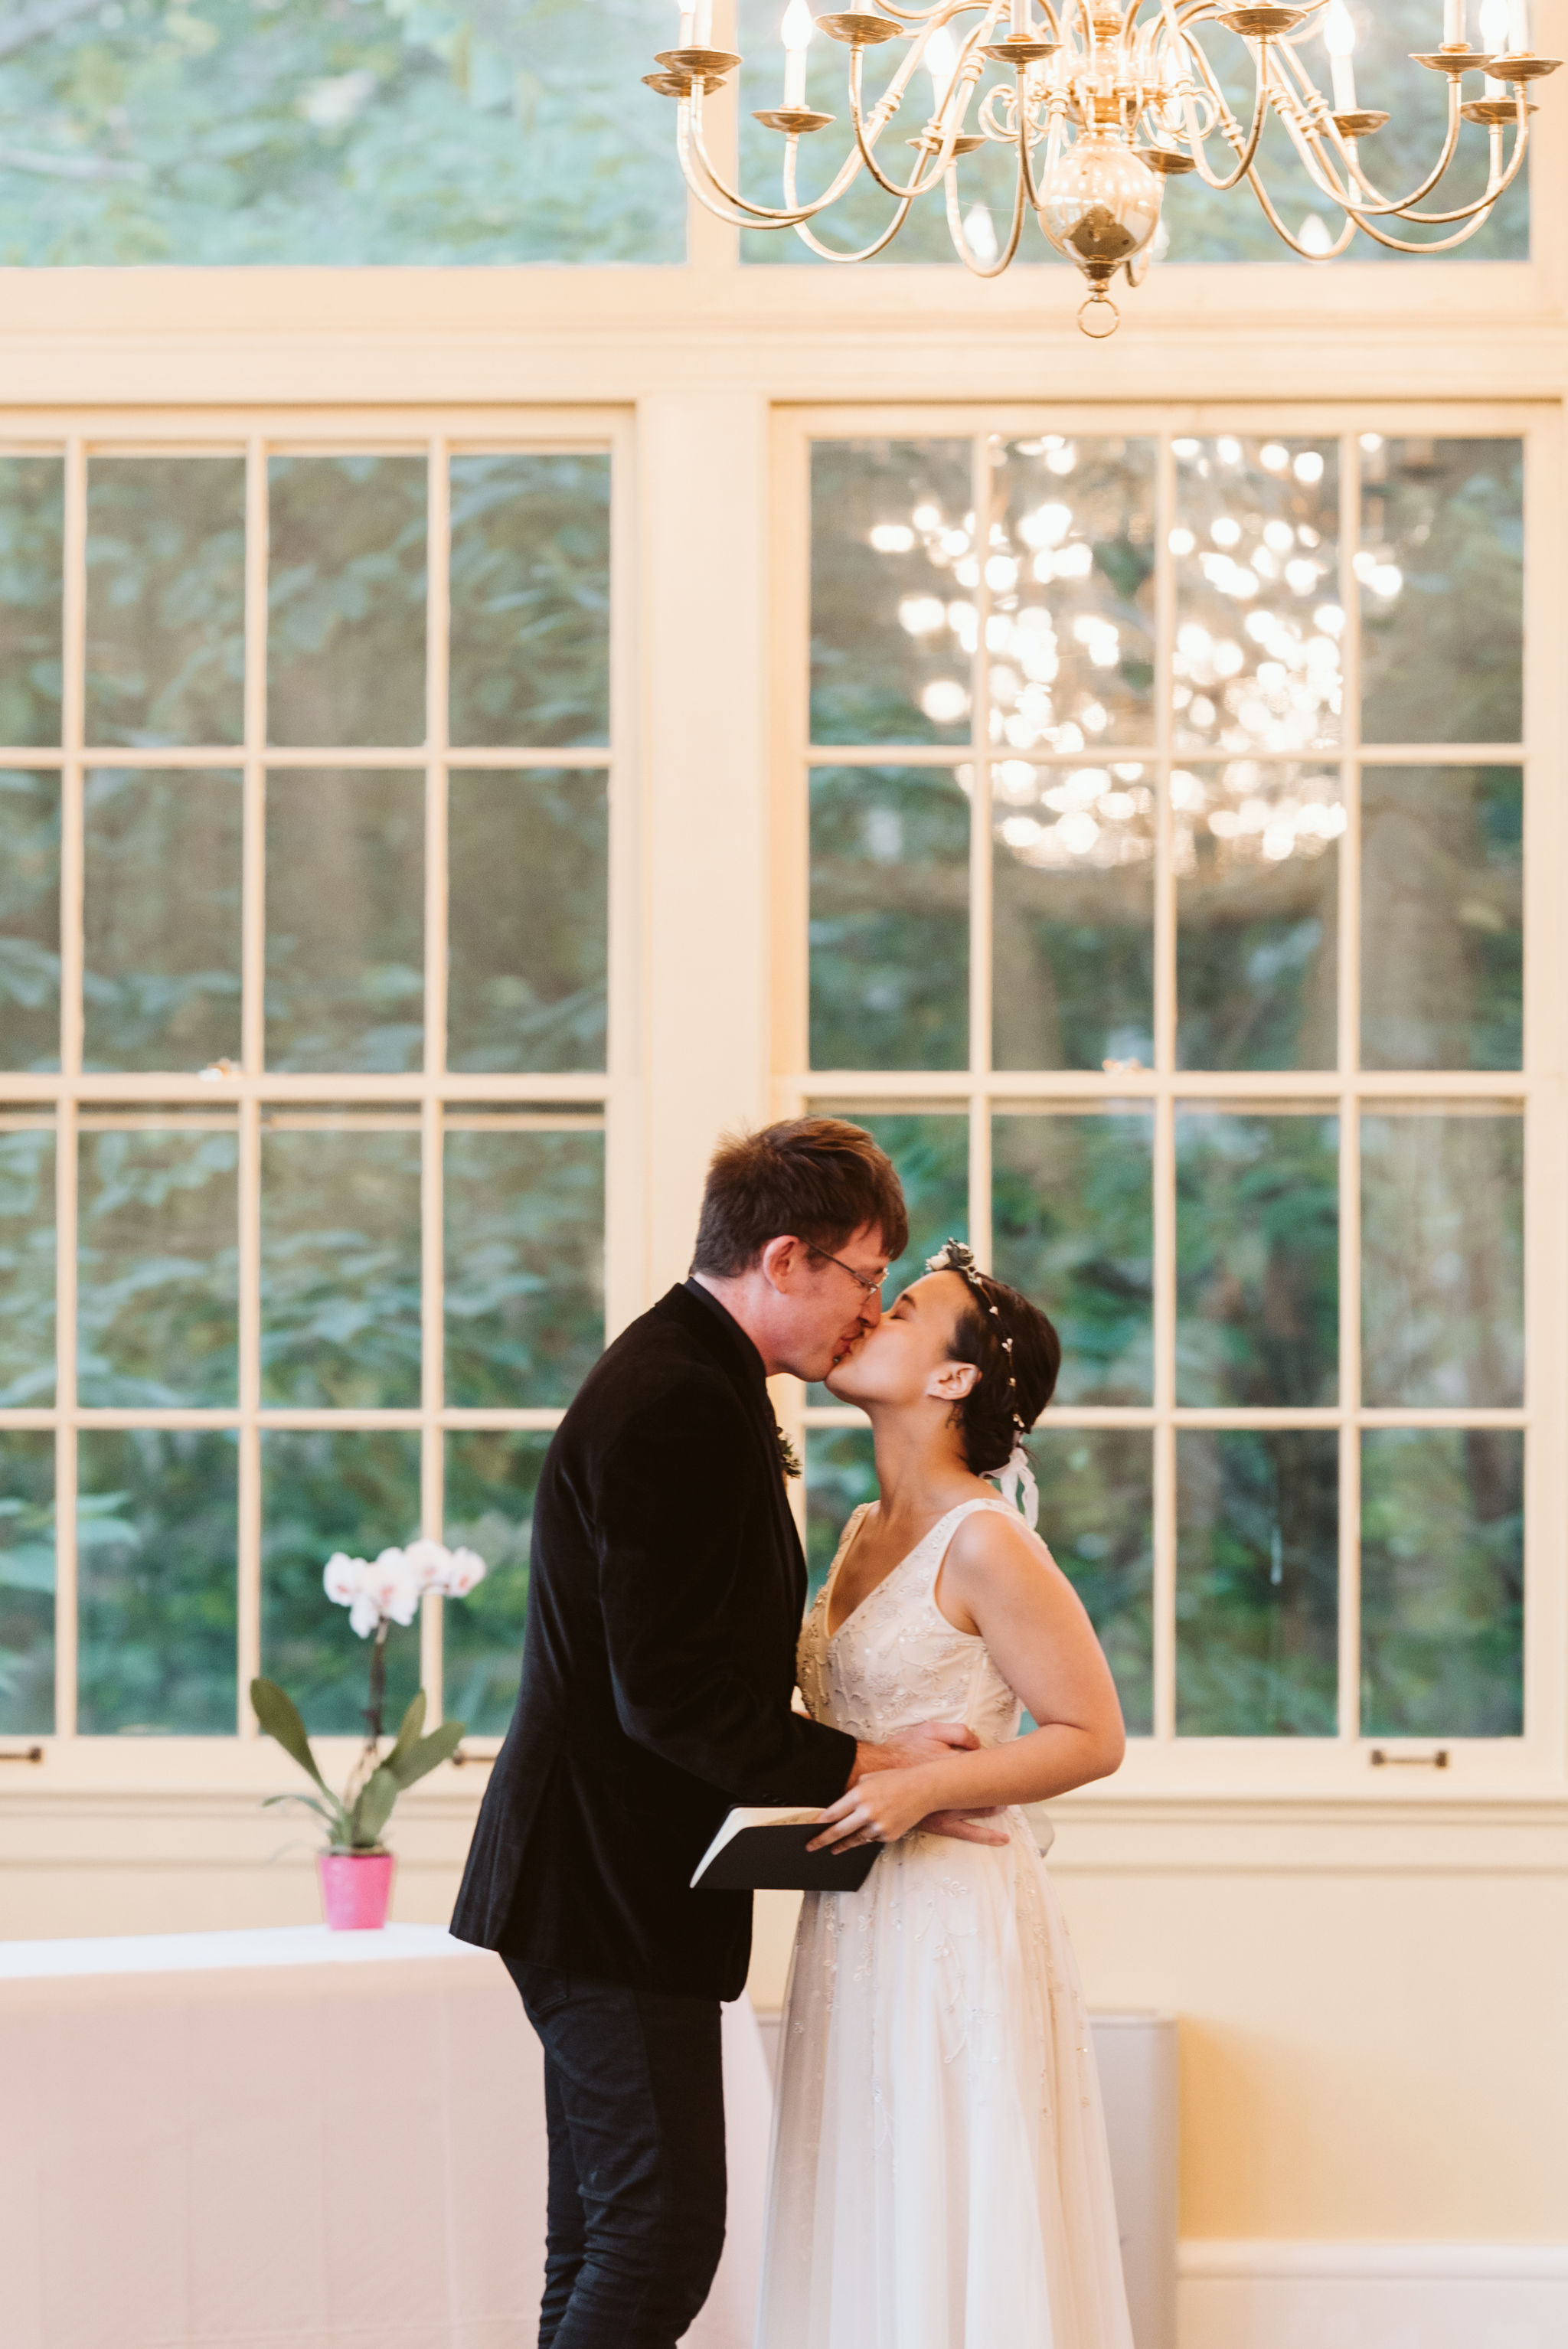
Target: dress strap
pixel 939 1540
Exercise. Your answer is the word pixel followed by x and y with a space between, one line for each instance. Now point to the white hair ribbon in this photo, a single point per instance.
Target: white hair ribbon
pixel 1018 1472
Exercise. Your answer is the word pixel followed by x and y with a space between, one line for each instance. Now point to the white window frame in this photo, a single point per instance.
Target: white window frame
pixel 425 1094
pixel 1164 1762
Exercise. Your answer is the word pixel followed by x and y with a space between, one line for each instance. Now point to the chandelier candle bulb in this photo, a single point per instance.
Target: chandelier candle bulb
pixel 1339 39
pixel 799 26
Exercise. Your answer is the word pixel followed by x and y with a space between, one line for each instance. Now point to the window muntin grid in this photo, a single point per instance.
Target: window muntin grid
pixel 465 1123
pixel 1315 737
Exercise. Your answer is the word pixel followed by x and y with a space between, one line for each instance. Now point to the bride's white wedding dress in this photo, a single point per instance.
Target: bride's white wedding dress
pixel 940 2177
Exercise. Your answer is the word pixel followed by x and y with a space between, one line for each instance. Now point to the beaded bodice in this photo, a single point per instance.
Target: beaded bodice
pixel 897 1659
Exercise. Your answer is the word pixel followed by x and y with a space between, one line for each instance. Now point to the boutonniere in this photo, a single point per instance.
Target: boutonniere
pixel 788 1458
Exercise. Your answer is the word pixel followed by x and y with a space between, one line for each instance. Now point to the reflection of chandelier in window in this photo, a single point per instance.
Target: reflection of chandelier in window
pixel 1100 105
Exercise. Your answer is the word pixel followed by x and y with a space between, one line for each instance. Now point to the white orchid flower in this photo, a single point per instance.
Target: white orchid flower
pixel 343 1577
pixel 364 1615
pixel 429 1562
pixel 395 1587
pixel 465 1568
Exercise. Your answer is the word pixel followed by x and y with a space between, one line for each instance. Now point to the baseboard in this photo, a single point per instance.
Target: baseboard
pixel 1289 2295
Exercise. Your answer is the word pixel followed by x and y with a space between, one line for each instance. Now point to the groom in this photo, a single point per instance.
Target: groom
pixel 666 1597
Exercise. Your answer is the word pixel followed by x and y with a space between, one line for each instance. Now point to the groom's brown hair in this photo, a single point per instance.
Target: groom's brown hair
pixel 817 1177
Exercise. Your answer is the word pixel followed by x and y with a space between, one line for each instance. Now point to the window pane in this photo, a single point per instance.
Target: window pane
pixel 1072 960
pixel 840 1473
pixel 157 1524
pixel 323 1491
pixel 1443 1582
pixel 1442 1280
pixel 525 1256
pixel 893 573
pixel 166 599
pixel 345 600
pixel 158 1259
pixel 1258 617
pixel 26 1262
pixel 29 919
pixel 340 1260
pixel 1073 1225
pixel 1257 1256
pixel 27 1582
pixel 320 134
pixel 1072 579
pixel 1097 1518
pixel 1442 590
pixel 529 863
pixel 491 1478
pixel 1256 1583
pixel 162 983
pixel 530 600
pixel 32 523
pixel 345 920
pixel 1442 922
pixel 1256 851
pixel 889 919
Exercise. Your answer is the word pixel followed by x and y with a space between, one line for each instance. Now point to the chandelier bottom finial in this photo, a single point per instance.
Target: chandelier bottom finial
pixel 1098 316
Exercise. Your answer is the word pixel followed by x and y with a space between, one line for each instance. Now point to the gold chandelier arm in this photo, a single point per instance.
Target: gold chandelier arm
pixel 1188 94
pixel 1280 229
pixel 888 104
pixel 1371 205
pixel 961 242
pixel 731 207
pixel 1499 179
pixel 1311 129
pixel 1472 222
pixel 867 253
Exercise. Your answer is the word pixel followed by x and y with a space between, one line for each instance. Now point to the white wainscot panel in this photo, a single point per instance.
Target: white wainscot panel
pixel 1257 2295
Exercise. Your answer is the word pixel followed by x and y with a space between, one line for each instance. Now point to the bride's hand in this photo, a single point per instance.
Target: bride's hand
pixel 886 1804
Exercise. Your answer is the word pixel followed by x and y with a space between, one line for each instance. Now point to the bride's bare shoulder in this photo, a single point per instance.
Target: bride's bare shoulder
pixel 995 1545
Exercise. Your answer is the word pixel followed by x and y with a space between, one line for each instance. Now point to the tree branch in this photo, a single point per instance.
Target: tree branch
pixel 67 167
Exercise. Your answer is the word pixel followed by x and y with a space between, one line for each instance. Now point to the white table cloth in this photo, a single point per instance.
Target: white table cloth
pixel 295 2140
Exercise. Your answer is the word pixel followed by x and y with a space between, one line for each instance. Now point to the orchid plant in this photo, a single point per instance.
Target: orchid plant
pixel 378 1593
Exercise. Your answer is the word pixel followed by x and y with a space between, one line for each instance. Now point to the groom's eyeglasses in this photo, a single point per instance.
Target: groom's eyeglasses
pixel 870 1288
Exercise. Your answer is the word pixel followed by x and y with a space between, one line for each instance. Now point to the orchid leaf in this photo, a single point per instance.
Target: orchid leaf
pixel 428 1754
pixel 409 1729
pixel 332 1811
pixel 374 1808
pixel 280 1718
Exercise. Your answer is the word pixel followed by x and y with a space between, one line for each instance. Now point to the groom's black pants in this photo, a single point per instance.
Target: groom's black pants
pixel 633 2099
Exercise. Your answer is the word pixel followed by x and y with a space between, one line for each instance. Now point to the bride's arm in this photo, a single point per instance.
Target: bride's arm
pixel 1000 1582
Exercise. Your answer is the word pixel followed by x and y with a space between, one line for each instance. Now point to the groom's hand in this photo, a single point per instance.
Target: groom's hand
pixel 928 1740
pixel 965 1826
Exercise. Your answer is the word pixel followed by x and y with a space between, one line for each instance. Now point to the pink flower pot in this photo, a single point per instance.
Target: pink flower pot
pixel 355 1888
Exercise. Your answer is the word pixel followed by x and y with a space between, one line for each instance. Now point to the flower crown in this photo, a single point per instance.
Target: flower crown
pixel 956 1255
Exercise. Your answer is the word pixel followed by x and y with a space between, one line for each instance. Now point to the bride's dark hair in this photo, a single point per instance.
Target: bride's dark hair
pixel 1014 1347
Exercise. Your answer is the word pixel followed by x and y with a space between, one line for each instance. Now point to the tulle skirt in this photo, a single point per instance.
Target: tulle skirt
pixel 939 2174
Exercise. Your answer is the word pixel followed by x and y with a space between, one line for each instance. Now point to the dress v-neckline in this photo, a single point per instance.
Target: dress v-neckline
pixel 892 1575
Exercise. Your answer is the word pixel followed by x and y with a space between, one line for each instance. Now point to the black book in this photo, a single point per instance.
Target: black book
pixel 765 1851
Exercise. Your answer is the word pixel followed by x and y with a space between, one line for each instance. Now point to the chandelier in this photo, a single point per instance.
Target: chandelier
pixel 1100 105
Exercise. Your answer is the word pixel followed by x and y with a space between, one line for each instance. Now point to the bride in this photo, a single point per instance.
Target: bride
pixel 940 2177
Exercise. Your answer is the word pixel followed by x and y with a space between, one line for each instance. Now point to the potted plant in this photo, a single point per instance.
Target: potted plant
pixel 355 1870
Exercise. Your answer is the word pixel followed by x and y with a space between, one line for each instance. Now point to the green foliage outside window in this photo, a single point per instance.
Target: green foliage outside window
pixel 336 131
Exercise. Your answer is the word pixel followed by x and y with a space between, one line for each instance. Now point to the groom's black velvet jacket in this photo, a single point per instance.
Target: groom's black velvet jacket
pixel 665 1601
